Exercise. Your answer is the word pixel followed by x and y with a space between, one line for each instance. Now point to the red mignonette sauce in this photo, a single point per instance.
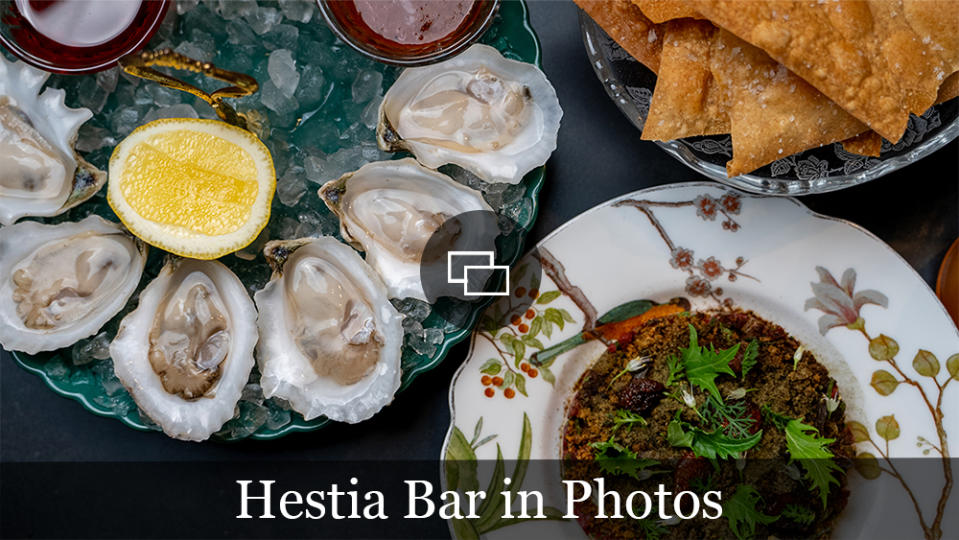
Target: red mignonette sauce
pixel 78 36
pixel 409 32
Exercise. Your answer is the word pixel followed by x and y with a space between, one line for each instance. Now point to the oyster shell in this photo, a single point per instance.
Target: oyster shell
pixel 390 209
pixel 186 352
pixel 495 117
pixel 61 283
pixel 40 173
pixel 330 338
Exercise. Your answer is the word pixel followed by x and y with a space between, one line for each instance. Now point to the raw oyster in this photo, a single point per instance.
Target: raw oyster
pixel 495 117
pixel 330 338
pixel 390 209
pixel 61 283
pixel 40 173
pixel 186 352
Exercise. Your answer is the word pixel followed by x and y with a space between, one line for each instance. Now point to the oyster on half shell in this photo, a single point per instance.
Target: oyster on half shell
pixel 40 172
pixel 186 352
pixel 61 283
pixel 390 210
pixel 330 339
pixel 495 117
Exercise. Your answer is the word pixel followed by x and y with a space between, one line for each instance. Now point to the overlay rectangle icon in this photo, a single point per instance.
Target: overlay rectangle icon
pixel 488 265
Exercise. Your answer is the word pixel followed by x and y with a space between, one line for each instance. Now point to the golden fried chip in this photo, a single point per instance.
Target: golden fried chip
pixel 684 103
pixel 949 89
pixel 627 25
pixel 772 112
pixel 660 11
pixel 867 143
pixel 937 24
pixel 866 55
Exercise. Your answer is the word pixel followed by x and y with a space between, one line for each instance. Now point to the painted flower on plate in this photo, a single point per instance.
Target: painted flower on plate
pixel 839 302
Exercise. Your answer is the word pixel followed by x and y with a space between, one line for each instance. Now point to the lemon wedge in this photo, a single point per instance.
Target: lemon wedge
pixel 196 188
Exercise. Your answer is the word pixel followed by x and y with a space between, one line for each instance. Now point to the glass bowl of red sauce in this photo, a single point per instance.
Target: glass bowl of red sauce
pixel 409 32
pixel 78 36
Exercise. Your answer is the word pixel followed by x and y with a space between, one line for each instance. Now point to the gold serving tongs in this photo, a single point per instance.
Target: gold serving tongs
pixel 141 65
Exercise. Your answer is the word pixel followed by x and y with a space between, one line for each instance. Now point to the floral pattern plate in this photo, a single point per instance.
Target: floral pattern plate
pixel 841 291
pixel 630 85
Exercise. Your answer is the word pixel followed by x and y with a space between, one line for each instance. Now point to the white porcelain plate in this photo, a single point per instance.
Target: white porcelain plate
pixel 847 296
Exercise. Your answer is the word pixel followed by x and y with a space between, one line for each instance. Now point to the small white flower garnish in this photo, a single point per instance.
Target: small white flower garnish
pixel 798 356
pixel 738 393
pixel 688 397
pixel 831 403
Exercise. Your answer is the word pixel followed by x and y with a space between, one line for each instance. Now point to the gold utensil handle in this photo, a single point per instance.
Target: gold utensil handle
pixel 140 65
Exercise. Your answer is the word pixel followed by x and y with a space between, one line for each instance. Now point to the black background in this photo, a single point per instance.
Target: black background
pixel 600 156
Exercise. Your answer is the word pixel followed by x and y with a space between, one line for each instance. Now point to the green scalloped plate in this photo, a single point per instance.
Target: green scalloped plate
pixel 290 138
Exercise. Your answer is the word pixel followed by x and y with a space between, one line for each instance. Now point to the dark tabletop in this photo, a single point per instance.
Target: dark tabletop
pixel 600 156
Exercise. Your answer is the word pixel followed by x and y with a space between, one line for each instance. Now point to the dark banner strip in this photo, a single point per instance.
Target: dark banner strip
pixel 420 499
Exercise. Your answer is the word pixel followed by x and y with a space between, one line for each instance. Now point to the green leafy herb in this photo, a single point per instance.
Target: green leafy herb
pixel 614 458
pixel 750 357
pixel 627 418
pixel 731 417
pixel 652 529
pixel 709 445
pixel 702 484
pixel 677 436
pixel 798 514
pixel 777 419
pixel 675 370
pixel 806 446
pixel 703 365
pixel 740 510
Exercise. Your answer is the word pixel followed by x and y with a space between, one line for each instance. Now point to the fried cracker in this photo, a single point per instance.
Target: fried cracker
pixel 949 89
pixel 625 23
pixel 660 11
pixel 772 112
pixel 684 102
pixel 864 54
pixel 869 143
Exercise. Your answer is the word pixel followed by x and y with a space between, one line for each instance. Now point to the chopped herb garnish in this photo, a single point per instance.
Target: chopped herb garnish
pixel 810 450
pixel 627 418
pixel 798 514
pixel 731 417
pixel 741 512
pixel 709 445
pixel 614 458
pixel 702 484
pixel 675 370
pixel 652 529
pixel 703 365
pixel 750 357
pixel 777 419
